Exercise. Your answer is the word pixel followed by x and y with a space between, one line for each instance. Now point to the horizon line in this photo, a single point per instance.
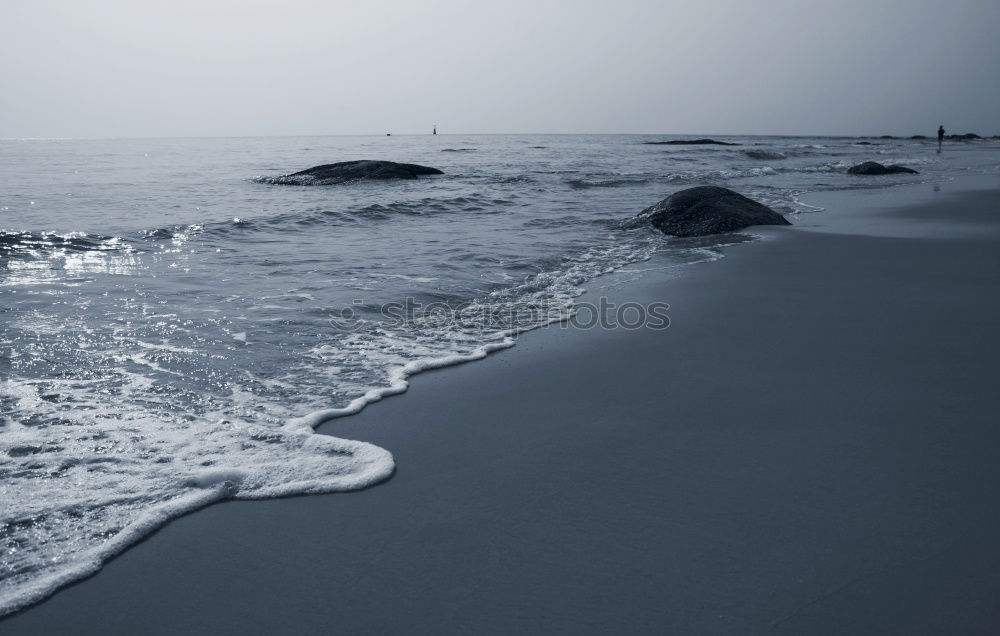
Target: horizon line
pixel 455 134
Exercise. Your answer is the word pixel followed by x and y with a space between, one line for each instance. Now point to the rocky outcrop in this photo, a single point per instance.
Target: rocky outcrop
pixel 875 168
pixel 351 171
pixel 919 137
pixel 706 210
pixel 965 137
pixel 689 142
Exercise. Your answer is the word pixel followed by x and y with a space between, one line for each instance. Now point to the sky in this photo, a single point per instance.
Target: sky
pixel 109 68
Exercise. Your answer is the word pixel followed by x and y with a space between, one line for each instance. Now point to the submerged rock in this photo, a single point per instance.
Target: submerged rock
pixel 706 210
pixel 875 168
pixel 689 142
pixel 349 171
pixel 919 137
pixel 863 143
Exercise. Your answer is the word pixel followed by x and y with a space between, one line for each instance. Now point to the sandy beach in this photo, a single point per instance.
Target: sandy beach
pixel 810 448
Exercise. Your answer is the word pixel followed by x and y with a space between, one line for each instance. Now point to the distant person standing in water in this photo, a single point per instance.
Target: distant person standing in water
pixel 940 137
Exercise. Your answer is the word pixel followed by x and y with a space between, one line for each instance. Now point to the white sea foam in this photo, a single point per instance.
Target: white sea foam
pixel 79 494
pixel 397 384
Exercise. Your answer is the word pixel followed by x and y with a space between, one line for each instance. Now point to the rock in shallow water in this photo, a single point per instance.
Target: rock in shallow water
pixel 349 171
pixel 875 168
pixel 706 210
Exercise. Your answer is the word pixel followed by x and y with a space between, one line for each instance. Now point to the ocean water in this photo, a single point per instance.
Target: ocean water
pixel 171 329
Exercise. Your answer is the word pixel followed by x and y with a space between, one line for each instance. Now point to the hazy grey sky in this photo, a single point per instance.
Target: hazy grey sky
pixel 111 68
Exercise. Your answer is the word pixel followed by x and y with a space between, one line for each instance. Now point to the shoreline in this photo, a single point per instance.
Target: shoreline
pixel 582 531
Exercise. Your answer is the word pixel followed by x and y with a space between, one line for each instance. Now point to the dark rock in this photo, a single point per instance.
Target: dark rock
pixel 875 168
pixel 919 137
pixel 862 143
pixel 350 171
pixel 888 137
pixel 964 137
pixel 689 142
pixel 706 210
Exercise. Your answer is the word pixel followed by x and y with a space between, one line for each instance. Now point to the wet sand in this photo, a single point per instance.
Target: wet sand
pixel 811 447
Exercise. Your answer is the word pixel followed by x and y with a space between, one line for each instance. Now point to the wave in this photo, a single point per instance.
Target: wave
pixel 521 178
pixel 77 241
pixel 714 176
pixel 428 206
pixel 323 216
pixel 581 184
pixel 698 176
pixel 830 166
pixel 175 233
pixel 12 242
pixel 554 222
pixel 765 154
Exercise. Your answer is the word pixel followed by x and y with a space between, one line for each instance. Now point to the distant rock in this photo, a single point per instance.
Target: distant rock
pixel 350 171
pixel 875 168
pixel 706 210
pixel 689 142
pixel 888 137
pixel 919 137
pixel 965 137
pixel 862 143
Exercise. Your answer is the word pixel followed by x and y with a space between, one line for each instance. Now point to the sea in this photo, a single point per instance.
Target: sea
pixel 173 327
